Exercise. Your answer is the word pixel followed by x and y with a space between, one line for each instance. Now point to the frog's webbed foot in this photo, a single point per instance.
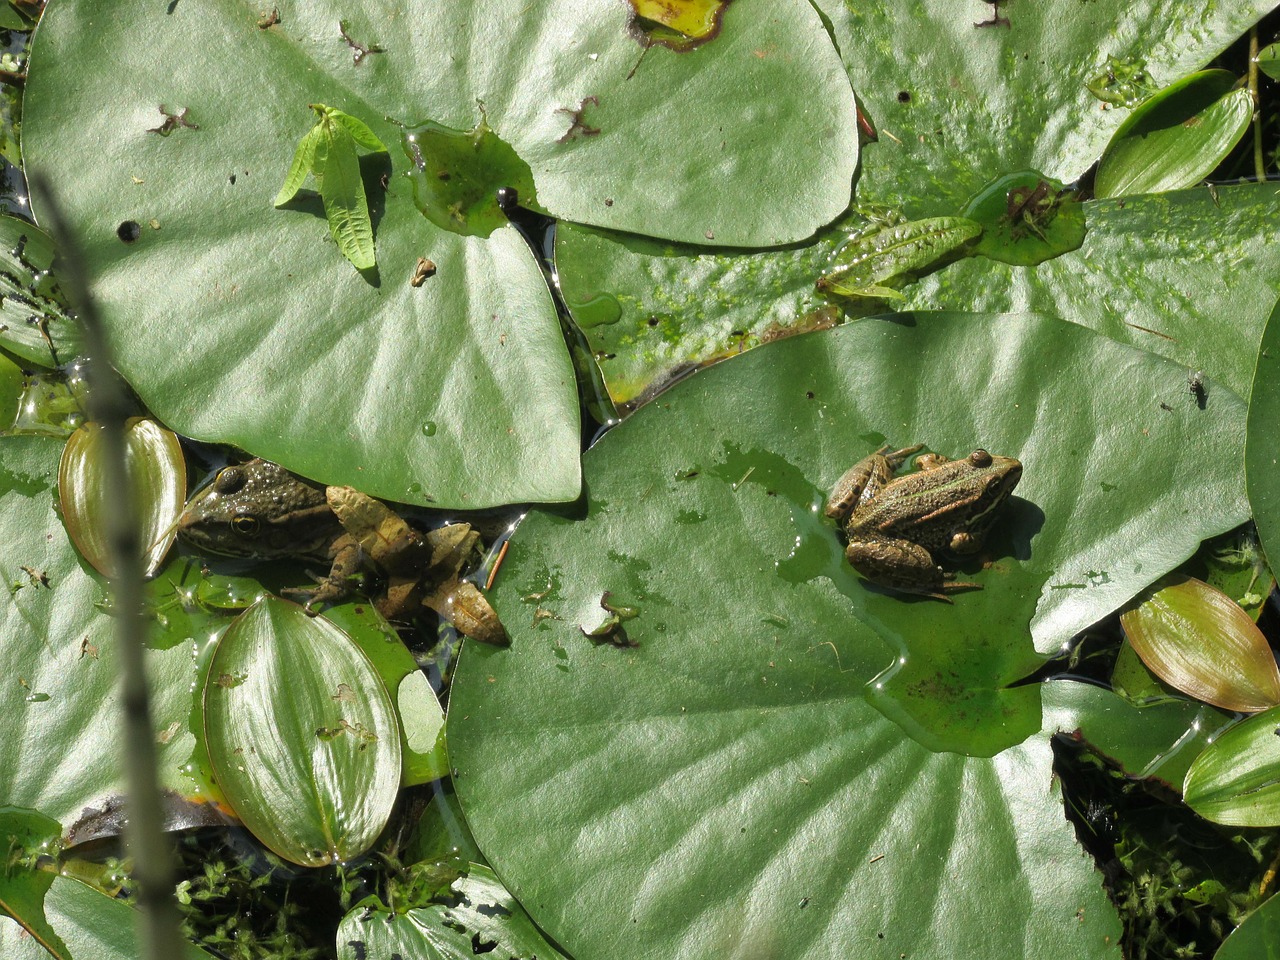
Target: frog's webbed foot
pixel 338 584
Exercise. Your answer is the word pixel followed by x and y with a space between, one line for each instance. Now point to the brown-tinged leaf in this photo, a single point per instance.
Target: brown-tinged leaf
pixel 462 604
pixel 1197 639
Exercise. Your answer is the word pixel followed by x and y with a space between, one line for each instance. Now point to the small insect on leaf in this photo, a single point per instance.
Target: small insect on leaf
pixel 328 151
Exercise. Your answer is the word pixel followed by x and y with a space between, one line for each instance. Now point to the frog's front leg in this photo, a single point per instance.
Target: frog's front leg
pixel 902 565
pixel 347 561
pixel 864 479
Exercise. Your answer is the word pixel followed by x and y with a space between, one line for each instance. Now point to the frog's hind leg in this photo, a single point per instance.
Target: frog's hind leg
pixel 864 479
pixel 903 566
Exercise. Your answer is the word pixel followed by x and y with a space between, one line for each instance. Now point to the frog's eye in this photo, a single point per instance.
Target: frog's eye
pixel 229 480
pixel 247 527
pixel 980 458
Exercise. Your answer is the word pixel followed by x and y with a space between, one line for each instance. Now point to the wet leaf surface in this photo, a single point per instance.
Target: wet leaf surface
pixel 1199 641
pixel 771 708
pixel 1236 779
pixel 302 734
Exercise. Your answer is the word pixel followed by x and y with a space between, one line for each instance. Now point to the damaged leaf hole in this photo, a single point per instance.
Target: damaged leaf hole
pixel 578 126
pixel 173 121
pixel 359 50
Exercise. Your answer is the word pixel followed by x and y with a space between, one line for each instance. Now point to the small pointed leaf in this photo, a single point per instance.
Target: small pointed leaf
pixel 1236 780
pixel 157 473
pixel 302 734
pixel 1199 640
pixel 345 205
pixel 359 131
pixel 1173 139
pixel 303 161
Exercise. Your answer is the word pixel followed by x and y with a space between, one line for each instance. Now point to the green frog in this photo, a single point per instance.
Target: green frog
pixel 895 525
pixel 260 510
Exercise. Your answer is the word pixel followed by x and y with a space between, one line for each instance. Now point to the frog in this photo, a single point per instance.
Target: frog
pixel 897 525
pixel 260 510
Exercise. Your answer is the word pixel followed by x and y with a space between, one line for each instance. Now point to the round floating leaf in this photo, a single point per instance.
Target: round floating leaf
pixel 302 734
pixel 748 737
pixel 474 915
pixel 94 926
pixel 240 323
pixel 1150 741
pixel 1174 138
pixel 1199 641
pixel 955 103
pixel 1236 780
pixel 157 475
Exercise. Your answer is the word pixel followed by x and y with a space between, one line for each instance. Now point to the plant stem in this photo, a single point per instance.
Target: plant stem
pixel 144 833
pixel 1259 165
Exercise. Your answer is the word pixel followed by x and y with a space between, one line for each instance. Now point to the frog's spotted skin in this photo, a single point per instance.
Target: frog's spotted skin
pixel 258 509
pixel 896 525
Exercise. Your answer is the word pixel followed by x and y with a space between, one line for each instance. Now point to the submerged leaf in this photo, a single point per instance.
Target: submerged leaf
pixel 1199 640
pixel 879 256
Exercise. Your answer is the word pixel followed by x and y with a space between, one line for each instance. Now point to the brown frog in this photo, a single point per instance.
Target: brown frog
pixel 896 525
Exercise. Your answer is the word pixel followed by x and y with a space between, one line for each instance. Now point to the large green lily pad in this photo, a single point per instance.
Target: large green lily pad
pixel 981 102
pixel 755 764
pixel 58 651
pixel 241 323
pixel 1187 275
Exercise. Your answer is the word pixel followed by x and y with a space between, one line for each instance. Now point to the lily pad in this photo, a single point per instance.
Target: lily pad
pixel 34 324
pixel 235 323
pixel 475 915
pixel 302 734
pixel 1187 275
pixel 753 749
pixel 1262 451
pixel 955 104
pixel 57 648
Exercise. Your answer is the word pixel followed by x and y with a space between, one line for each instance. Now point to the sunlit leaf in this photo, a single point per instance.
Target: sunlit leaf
pixel 1258 938
pixel 157 475
pixel 302 734
pixel 1174 138
pixel 475 915
pixel 1236 779
pixel 1198 640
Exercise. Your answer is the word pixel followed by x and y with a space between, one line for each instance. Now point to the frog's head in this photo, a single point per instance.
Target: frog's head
pixel 991 480
pixel 258 509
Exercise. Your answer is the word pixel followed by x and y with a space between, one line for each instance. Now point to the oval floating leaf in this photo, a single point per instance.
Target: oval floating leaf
pixel 1262 445
pixel 1198 640
pixel 1175 137
pixel 158 480
pixel 1236 779
pixel 302 734
pixel 1269 60
pixel 876 259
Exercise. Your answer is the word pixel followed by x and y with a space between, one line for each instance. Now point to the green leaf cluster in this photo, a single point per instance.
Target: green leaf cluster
pixel 328 152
